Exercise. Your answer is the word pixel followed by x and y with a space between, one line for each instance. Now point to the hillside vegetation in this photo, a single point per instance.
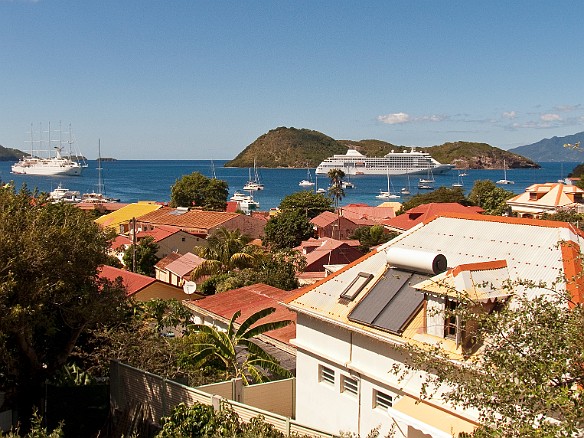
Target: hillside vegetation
pixel 291 147
pixel 9 154
pixel 288 147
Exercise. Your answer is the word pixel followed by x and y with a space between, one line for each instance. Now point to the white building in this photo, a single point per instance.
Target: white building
pixel 350 324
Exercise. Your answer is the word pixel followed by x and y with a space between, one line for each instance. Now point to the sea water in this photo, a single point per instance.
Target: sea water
pixel 151 180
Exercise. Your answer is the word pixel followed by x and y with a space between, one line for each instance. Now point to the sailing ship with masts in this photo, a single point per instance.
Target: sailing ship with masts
pixel 47 160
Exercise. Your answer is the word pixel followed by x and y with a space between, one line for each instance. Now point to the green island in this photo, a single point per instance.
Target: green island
pixel 292 147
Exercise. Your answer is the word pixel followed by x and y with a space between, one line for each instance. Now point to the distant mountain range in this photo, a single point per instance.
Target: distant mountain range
pixel 292 147
pixel 552 149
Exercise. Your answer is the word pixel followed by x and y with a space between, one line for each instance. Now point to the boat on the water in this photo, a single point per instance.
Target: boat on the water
pixel 397 163
pixel 505 180
pixel 253 184
pixel 51 165
pixel 245 203
pixel 99 196
pixel 62 194
pixel 307 182
pixel 388 194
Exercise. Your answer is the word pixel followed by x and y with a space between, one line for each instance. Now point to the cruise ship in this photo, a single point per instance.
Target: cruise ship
pixel 394 163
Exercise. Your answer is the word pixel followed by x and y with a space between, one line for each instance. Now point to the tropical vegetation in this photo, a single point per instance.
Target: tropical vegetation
pixel 287 229
pixel 256 365
pixel 142 257
pixel 310 203
pixel 50 293
pixel 196 190
pixel 525 377
pixel 202 421
pixel 292 147
pixel 373 235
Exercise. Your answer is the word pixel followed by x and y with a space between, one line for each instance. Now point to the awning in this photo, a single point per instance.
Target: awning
pixel 428 419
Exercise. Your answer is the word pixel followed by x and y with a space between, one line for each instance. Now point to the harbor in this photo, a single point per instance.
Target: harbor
pixel 137 180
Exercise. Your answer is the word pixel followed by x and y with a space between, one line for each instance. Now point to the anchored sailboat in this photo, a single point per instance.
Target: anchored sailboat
pixel 388 194
pixel 253 183
pixel 505 180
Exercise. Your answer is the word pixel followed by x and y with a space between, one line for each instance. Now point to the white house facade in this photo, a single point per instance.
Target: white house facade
pixel 350 326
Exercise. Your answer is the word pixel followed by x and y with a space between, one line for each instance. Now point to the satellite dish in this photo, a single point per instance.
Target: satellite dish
pixel 189 287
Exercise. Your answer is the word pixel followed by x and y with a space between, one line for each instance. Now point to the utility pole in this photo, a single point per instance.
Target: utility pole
pixel 134 244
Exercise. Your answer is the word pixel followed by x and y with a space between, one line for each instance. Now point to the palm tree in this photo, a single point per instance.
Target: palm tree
pixel 225 250
pixel 336 191
pixel 226 346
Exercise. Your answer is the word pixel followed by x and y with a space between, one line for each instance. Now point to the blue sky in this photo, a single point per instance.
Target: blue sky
pixel 189 79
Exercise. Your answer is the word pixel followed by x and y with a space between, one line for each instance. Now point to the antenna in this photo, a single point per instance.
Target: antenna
pixel 189 287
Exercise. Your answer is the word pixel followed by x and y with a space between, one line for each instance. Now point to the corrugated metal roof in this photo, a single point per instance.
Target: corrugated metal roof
pixel 249 300
pixel 530 247
pixel 126 213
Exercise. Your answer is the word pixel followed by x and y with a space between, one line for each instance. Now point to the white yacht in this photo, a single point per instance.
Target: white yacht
pixel 62 194
pixel 398 163
pixel 246 203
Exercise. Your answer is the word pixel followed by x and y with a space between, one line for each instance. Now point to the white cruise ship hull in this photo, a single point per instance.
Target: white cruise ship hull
pixel 394 163
pixel 51 167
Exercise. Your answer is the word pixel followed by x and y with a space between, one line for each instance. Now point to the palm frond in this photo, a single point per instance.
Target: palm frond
pixel 252 320
pixel 271 366
pixel 257 351
pixel 207 267
pixel 231 328
pixel 255 373
pixel 268 326
pixel 221 341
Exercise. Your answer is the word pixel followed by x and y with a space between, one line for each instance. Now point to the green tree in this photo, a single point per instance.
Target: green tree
pixel 198 190
pixel 489 197
pixel 525 377
pixel 311 204
pixel 336 190
pixel 276 269
pixel 287 229
pixel 369 236
pixel 226 250
pixel 201 421
pixel 566 215
pixel 50 293
pixel 146 256
pixel 257 364
pixel 441 194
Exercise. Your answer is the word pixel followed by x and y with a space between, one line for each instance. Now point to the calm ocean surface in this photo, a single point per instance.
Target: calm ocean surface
pixel 136 180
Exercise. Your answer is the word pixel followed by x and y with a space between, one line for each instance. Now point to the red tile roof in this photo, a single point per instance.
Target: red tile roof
pixel 184 264
pixel 366 214
pixel 162 263
pixel 194 219
pixel 160 232
pixel 249 300
pixel 324 219
pixel 424 212
pixel 120 241
pixel 133 282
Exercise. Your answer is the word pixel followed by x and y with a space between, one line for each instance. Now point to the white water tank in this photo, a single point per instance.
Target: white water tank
pixel 415 260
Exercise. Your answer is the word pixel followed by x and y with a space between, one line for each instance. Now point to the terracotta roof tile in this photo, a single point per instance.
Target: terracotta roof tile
pixel 162 263
pixel 249 300
pixel 193 219
pixel 133 282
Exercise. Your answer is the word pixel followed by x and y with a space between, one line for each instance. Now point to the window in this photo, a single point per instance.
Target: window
pixel 382 400
pixel 356 286
pixel 326 375
pixel 450 321
pixel 183 239
pixel 349 385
